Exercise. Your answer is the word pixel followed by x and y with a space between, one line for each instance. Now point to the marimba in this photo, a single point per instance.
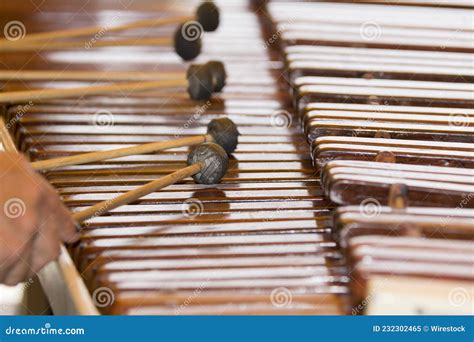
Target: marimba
pixel 387 109
pixel 383 96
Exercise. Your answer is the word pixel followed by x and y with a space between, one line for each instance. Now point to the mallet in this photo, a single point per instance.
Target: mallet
pixel 201 81
pixel 207 164
pixel 185 47
pixel 216 67
pixel 218 72
pixel 186 40
pixel 221 131
pixel 207 15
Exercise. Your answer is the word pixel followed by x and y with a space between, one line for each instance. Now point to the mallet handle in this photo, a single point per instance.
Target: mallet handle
pixel 93 30
pixel 84 158
pixel 59 45
pixel 135 194
pixel 106 76
pixel 47 94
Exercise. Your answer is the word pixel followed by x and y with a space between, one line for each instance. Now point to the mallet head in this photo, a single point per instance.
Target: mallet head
pixel 200 82
pixel 208 16
pixel 214 162
pixel 216 70
pixel 225 133
pixel 187 40
pixel 218 73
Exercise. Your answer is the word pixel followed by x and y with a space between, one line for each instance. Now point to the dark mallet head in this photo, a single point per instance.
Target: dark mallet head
pixel 207 15
pixel 215 163
pixel 225 133
pixel 200 83
pixel 187 40
pixel 219 74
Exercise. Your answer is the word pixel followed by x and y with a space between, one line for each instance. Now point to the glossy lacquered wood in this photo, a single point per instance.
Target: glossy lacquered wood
pixel 268 226
pixel 385 98
pixel 265 227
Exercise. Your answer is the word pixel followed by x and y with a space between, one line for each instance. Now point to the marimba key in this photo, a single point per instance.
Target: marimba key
pixel 378 63
pixel 414 240
pixel 346 14
pixel 328 303
pixel 418 152
pixel 350 182
pixel 429 3
pixel 311 89
pixel 373 219
pixel 205 244
pixel 406 267
pixel 395 166
pixel 372 26
pixel 399 122
pixel 394 125
pixel 391 56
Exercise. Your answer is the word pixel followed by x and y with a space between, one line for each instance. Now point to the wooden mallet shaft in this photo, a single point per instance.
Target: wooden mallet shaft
pixel 135 194
pixel 47 75
pixel 34 45
pixel 93 30
pixel 48 94
pixel 84 158
pixel 207 163
pixel 216 68
pixel 207 15
pixel 200 80
pixel 221 131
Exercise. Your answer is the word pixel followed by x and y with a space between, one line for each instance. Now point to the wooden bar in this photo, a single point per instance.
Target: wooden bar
pixel 355 153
